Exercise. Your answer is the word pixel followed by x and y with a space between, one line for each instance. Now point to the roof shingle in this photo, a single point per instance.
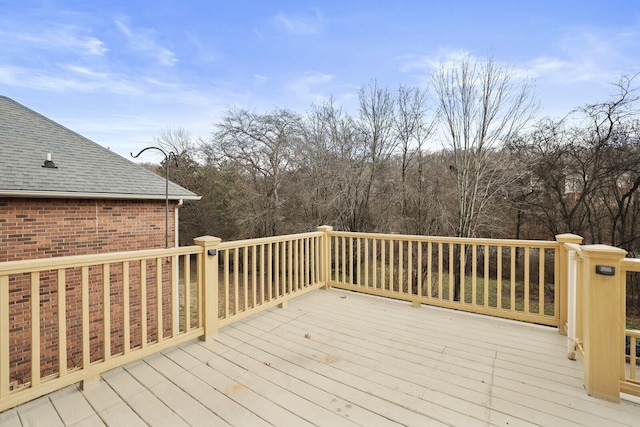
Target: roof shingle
pixel 84 168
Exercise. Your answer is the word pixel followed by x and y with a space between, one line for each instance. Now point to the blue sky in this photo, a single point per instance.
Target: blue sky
pixel 119 72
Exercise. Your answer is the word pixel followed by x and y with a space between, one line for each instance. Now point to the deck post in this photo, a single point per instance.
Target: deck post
pixel 209 284
pixel 325 257
pixel 563 277
pixel 603 320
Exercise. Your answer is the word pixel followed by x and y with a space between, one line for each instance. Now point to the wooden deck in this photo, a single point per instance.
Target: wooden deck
pixel 335 358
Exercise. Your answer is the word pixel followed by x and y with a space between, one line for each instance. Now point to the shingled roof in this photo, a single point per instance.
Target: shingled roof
pixel 84 169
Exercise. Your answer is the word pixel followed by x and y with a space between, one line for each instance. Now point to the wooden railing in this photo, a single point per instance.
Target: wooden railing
pixel 513 279
pixel 575 301
pixel 66 320
pixel 260 273
pixel 516 279
pixel 597 276
pixel 72 318
pixel 631 376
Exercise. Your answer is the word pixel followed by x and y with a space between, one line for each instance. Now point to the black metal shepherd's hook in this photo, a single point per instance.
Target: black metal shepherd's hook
pixel 167 161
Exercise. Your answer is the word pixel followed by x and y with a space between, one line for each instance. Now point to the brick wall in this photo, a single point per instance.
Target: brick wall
pixel 44 228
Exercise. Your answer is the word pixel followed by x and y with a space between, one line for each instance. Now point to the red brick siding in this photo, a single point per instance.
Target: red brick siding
pixel 44 228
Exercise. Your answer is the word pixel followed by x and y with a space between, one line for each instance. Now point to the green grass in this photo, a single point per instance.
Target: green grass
pixel 633 323
pixel 519 300
pixel 492 285
pixel 193 300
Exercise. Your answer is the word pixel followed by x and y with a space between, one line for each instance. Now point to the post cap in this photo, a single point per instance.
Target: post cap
pixel 605 251
pixel 569 238
pixel 207 241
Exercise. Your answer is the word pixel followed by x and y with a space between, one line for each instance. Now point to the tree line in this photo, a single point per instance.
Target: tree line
pixel 461 158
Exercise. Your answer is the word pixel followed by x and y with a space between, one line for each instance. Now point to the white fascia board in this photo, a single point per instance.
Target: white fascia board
pixel 74 195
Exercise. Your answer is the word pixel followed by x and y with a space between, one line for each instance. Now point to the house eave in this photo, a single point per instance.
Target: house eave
pixel 77 195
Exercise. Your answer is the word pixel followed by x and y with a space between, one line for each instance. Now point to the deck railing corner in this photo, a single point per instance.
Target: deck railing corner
pixel 209 312
pixel 603 322
pixel 325 263
pixel 562 279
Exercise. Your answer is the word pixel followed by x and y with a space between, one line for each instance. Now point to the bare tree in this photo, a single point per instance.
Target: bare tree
pixel 177 140
pixel 586 170
pixel 264 147
pixel 544 155
pixel 376 124
pixel 413 128
pixel 481 106
pixel 333 167
pixel 611 137
pixel 215 213
pixel 350 155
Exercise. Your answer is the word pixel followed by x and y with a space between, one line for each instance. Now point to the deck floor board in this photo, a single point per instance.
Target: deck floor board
pixel 335 358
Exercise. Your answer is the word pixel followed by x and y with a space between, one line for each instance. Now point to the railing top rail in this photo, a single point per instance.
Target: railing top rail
pixel 55 263
pixel 44 264
pixel 631 264
pixel 573 247
pixel 632 333
pixel 264 240
pixel 460 240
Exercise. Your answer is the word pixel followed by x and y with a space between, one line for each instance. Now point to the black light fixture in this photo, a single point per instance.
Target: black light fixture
pixel 167 161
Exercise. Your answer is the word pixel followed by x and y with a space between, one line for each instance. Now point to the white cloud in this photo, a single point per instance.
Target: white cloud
pixel 587 56
pixel 77 79
pixel 204 53
pixel 259 79
pixel 601 53
pixel 421 67
pixel 95 46
pixel 85 71
pixel 590 55
pixel 308 86
pixel 578 69
pixel 72 78
pixel 569 66
pixel 143 41
pixel 446 58
pixel 9 75
pixel 297 24
pixel 60 38
pixel 124 29
pixel 544 66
